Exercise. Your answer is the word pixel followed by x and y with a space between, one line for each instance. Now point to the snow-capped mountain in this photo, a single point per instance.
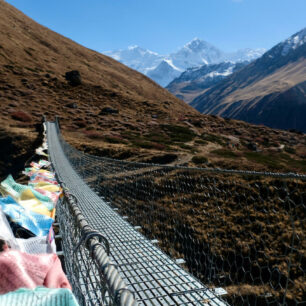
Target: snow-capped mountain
pixel 293 42
pixel 207 72
pixel 270 90
pixel 196 53
pixel 162 68
pixel 245 55
pixel 137 58
pixel 194 81
pixel 164 73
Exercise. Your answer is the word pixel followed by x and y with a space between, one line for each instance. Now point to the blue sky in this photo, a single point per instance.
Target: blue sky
pixel 165 25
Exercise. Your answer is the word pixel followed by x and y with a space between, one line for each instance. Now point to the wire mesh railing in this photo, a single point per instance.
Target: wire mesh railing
pixel 242 231
pixel 93 277
pixel 87 264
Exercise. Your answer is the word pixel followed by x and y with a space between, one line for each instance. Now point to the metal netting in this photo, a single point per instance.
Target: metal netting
pixel 87 264
pixel 93 277
pixel 82 269
pixel 242 231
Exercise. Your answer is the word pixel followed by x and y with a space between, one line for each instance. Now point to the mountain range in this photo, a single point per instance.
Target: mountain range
pixel 271 90
pixel 195 81
pixel 164 68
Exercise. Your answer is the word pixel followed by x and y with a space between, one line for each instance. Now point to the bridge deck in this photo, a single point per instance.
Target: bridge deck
pixel 154 277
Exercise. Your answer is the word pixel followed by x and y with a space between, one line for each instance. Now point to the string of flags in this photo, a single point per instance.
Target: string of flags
pixel 29 265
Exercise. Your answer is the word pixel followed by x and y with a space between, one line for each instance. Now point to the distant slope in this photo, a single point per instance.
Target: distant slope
pixel 195 81
pixel 269 91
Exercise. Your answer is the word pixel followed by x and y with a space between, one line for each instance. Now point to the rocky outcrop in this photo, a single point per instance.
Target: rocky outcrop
pixel 108 111
pixel 73 77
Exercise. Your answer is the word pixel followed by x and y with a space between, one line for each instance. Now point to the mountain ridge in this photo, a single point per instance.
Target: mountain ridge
pixel 271 75
pixel 195 81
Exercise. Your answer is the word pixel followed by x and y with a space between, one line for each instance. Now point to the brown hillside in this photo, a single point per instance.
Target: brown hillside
pixel 149 124
pixel 31 50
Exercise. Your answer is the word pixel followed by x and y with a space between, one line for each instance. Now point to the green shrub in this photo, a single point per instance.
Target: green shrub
pixel 261 158
pixel 200 141
pixel 199 160
pixel 186 147
pixel 93 134
pixel 178 133
pixel 140 143
pixel 213 138
pixel 158 146
pixel 224 153
pixel 289 150
pixel 130 134
pixel 293 163
pixel 80 123
pixel 114 139
pixel 157 137
pixel 278 161
pixel 31 69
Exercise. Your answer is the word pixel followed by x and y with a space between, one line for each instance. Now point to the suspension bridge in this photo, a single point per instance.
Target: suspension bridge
pixel 130 235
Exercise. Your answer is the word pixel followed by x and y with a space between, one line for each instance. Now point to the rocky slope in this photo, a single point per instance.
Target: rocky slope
pixel 269 91
pixel 116 111
pixel 195 81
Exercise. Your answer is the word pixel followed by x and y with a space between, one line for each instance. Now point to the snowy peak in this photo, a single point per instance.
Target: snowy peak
pixel 140 51
pixel 210 71
pixel 165 66
pixel 293 42
pixel 164 73
pixel 288 46
pixel 246 54
pixel 198 45
pixel 195 53
pixel 168 62
pixel 137 58
pixel 202 52
pixel 193 81
pixel 133 47
pixel 131 50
